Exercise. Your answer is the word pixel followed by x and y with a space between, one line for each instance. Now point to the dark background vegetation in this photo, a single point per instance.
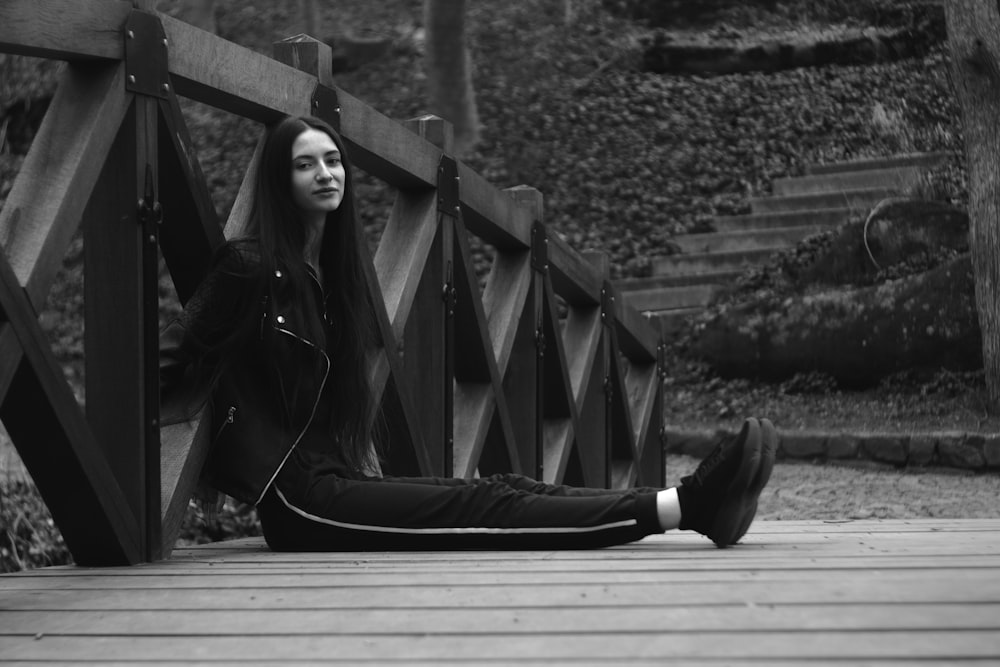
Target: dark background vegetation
pixel 626 158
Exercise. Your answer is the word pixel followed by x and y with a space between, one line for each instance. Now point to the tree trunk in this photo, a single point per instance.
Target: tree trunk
pixel 856 336
pixel 449 71
pixel 974 40
pixel 309 15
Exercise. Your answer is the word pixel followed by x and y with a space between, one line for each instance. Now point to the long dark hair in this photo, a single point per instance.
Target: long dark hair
pixel 277 226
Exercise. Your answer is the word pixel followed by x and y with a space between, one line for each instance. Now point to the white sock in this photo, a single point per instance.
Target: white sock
pixel 668 509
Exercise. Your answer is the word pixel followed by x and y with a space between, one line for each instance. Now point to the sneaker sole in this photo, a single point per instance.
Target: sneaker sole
pixel 732 511
pixel 769 448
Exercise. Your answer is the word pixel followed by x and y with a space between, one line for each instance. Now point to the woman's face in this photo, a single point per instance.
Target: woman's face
pixel 317 173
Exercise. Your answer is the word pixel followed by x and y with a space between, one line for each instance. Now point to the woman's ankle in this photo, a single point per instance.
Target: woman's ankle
pixel 668 509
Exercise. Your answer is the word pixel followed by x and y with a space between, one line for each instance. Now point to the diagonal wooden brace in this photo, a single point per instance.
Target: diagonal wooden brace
pixel 57 446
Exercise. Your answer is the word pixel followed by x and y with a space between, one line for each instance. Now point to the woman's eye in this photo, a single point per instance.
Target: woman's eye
pixel 302 165
pixel 333 162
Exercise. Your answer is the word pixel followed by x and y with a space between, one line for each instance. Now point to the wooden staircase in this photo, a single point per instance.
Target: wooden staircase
pixel 685 283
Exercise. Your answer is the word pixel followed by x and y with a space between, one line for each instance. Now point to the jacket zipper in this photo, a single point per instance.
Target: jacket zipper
pixel 322 294
pixel 230 418
pixel 312 414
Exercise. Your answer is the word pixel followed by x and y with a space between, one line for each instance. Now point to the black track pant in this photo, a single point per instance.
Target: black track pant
pixel 331 513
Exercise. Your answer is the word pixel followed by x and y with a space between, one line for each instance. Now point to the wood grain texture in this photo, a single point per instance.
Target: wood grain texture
pixel 190 231
pixel 802 592
pixel 42 211
pixel 504 297
pixel 494 216
pixel 64 29
pixel 47 425
pixel 575 276
pixel 120 295
pixel 412 376
pixel 475 366
pixel 403 252
pixel 54 184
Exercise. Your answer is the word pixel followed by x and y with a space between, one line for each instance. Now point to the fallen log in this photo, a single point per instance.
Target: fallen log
pixel 857 336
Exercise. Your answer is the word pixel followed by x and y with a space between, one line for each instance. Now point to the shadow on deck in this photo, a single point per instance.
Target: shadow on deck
pixel 795 591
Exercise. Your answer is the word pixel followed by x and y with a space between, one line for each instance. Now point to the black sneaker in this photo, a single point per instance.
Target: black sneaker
pixel 768 449
pixel 715 499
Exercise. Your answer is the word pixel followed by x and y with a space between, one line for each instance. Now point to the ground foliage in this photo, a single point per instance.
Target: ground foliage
pixel 28 535
pixel 626 159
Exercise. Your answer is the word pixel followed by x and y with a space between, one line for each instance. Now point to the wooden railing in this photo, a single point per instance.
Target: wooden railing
pixel 543 371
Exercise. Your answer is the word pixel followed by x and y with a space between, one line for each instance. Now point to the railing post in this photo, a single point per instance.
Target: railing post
pixel 602 367
pixel 656 446
pixel 313 57
pixel 533 452
pixel 448 211
pixel 121 227
pixel 429 338
pixel 607 352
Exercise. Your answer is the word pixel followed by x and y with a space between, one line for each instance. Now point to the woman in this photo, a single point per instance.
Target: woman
pixel 280 332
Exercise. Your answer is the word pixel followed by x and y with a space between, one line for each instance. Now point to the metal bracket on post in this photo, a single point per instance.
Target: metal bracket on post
pixel 447 187
pixel 150 211
pixel 661 361
pixel 449 211
pixel 448 204
pixel 149 215
pixel 540 264
pixel 146 55
pixel 661 373
pixel 448 293
pixel 607 319
pixel 539 247
pixel 607 305
pixel 325 104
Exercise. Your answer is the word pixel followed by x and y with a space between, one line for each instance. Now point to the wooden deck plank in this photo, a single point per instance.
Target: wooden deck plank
pixel 982 566
pixel 486 660
pixel 612 647
pixel 743 617
pixel 874 592
pixel 844 590
pixel 877 586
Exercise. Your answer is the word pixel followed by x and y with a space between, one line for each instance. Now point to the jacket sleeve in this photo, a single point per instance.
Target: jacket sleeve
pixel 210 319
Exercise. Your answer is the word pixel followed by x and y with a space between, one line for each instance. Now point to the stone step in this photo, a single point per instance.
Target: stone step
pixel 855 200
pixel 751 239
pixel 721 277
pixel 824 217
pixel 706 264
pixel 669 322
pixel 897 178
pixel 670 298
pixel 925 160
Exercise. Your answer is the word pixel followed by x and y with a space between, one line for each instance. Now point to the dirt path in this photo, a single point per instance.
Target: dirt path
pixel 799 490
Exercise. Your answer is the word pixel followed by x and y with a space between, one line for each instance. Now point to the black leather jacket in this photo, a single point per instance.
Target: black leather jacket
pixel 262 404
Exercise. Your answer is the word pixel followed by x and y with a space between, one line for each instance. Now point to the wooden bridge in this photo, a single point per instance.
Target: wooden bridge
pixel 815 593
pixel 543 371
